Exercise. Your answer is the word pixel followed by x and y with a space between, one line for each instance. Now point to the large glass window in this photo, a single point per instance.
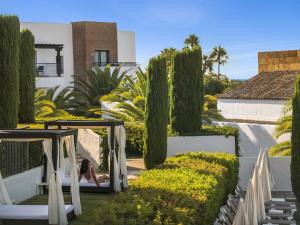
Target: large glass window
pixel 101 57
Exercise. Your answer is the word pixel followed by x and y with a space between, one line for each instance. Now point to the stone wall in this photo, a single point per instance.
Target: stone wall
pixel 279 61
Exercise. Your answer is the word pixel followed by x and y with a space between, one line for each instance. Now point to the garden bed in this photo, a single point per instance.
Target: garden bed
pixel 187 189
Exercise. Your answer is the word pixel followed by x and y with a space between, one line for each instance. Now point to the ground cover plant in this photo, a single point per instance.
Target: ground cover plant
pixel 187 189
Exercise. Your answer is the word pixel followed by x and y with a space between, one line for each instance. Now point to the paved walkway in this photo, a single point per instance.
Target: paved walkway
pixel 134 167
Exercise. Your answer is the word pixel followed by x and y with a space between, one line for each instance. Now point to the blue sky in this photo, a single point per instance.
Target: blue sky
pixel 242 27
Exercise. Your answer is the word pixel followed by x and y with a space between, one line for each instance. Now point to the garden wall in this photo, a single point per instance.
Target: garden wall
pixel 254 136
pixel 280 168
pixel 184 144
pixel 23 186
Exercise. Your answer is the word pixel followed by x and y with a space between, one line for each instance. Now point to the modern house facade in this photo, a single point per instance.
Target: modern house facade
pixel 262 98
pixel 64 50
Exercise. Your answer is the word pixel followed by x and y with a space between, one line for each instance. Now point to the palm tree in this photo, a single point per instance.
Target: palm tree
pixel 220 56
pixel 283 126
pixel 49 104
pixel 99 82
pixel 168 53
pixel 207 64
pixel 191 41
pixel 129 99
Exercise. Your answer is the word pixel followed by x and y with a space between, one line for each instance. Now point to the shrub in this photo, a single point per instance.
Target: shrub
pixel 156 113
pixel 186 98
pixel 27 77
pixel 295 163
pixel 9 70
pixel 187 189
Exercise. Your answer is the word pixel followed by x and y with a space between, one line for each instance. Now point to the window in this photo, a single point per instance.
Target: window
pixel 101 57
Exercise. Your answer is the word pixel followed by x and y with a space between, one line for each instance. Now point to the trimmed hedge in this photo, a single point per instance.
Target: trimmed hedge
pixel 295 140
pixel 185 190
pixel 156 113
pixel 9 70
pixel 27 77
pixel 186 97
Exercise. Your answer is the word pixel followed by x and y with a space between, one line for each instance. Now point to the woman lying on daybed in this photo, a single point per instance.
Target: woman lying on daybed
pixel 87 170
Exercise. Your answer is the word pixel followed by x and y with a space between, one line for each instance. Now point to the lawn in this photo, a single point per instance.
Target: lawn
pixel 89 203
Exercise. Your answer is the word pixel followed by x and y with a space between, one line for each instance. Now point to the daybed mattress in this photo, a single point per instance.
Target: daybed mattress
pixel 66 181
pixel 27 212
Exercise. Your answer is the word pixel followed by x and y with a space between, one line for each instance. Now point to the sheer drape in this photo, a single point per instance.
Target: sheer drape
pixel 56 205
pixel 73 172
pixel 122 162
pixel 115 167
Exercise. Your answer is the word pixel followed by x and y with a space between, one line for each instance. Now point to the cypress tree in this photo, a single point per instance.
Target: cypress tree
pixel 186 98
pixel 295 164
pixel 27 77
pixel 9 70
pixel 156 113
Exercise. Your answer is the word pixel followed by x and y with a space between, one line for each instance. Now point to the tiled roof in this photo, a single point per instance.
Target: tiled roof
pixel 277 85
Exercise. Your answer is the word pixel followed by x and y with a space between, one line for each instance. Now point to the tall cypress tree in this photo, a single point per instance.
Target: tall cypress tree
pixel 295 164
pixel 186 97
pixel 27 77
pixel 9 70
pixel 156 113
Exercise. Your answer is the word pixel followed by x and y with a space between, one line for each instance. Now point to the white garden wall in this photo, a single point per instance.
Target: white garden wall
pixel 180 144
pixel 250 109
pixel 280 168
pixel 23 186
pixel 254 136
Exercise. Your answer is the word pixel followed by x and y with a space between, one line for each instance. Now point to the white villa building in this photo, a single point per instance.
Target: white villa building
pixel 262 98
pixel 64 50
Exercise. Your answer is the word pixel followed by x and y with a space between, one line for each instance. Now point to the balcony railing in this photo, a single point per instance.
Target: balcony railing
pixel 125 64
pixel 49 69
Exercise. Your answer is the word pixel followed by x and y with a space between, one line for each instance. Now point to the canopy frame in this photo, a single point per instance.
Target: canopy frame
pixel 93 124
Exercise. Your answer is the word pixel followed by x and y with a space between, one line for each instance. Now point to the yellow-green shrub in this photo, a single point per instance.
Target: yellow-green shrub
pixel 186 190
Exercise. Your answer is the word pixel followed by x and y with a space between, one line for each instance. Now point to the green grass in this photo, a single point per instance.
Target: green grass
pixel 89 203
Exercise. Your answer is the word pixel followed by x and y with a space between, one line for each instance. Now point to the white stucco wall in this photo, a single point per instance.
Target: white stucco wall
pixel 50 33
pixel 180 144
pixel 256 110
pixel 253 137
pixel 280 168
pixel 23 186
pixel 126 46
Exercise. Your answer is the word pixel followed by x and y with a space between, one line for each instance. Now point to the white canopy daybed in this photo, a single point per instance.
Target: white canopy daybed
pixel 116 158
pixel 56 212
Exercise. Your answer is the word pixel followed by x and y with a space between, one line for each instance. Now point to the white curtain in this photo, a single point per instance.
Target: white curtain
pixel 4 196
pixel 258 191
pixel 250 205
pixel 259 158
pixel 240 217
pixel 115 167
pixel 88 145
pixel 122 162
pixel 74 178
pixel 62 157
pixel 56 205
pixel 266 178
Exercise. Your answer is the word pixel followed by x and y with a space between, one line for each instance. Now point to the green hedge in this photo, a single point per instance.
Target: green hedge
pixel 27 77
pixel 186 97
pixel 186 190
pixel 9 70
pixel 156 113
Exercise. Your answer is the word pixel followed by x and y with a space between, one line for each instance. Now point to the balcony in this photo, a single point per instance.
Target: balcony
pixel 114 64
pixel 49 69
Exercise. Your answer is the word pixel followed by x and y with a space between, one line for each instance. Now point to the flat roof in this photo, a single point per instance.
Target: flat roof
pixel 85 123
pixel 34 133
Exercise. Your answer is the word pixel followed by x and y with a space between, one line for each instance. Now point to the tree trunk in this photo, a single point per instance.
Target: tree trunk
pixel 219 75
